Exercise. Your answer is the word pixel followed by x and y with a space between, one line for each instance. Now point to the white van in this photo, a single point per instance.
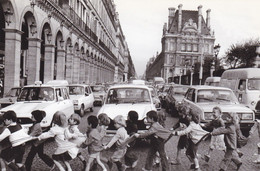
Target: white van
pixel 245 82
pixel 212 81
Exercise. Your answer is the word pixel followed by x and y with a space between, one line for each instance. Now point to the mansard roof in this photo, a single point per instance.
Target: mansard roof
pixel 186 16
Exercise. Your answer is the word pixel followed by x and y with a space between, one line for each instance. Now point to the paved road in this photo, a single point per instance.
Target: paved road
pixel 248 157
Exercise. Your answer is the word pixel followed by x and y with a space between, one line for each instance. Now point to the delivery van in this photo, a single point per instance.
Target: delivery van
pixel 245 82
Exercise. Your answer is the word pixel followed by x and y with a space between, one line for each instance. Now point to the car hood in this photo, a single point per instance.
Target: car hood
pixel 8 99
pixel 112 110
pixel 76 97
pixel 24 109
pixel 239 108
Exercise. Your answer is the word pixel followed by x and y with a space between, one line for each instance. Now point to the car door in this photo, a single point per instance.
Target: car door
pixel 64 103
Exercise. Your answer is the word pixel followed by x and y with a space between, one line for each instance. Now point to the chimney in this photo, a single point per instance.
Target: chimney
pixel 171 16
pixel 164 28
pixel 199 18
pixel 208 18
pixel 180 17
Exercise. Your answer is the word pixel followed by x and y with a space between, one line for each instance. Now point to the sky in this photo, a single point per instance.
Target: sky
pixel 233 21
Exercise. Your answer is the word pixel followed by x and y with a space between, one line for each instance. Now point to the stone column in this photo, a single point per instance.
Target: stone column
pixel 76 66
pixel 60 64
pixel 86 70
pixel 69 67
pixel 33 60
pixel 12 58
pixel 82 70
pixel 199 18
pixel 49 62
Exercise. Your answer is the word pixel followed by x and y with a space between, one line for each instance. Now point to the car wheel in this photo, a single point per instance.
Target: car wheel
pixel 82 111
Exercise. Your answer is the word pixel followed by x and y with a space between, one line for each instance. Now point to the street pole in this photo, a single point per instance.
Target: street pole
pixel 191 73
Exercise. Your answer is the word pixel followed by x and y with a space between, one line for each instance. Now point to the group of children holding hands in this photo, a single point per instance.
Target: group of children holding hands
pixel 70 141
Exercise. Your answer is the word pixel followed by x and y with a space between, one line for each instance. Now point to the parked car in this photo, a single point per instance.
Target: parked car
pixel 202 100
pixel 82 96
pixel 50 97
pixel 121 99
pixel 99 92
pixel 174 97
pixel 10 97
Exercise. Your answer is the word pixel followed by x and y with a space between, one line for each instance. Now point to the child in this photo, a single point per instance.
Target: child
pixel 256 126
pixel 158 136
pixel 65 150
pixel 183 140
pixel 17 138
pixel 36 130
pixel 119 138
pixel 195 134
pixel 216 142
pixel 230 138
pixel 73 134
pixel 94 142
pixel 131 158
pixel 161 121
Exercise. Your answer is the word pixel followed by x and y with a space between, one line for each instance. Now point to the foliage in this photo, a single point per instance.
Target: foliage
pixel 242 55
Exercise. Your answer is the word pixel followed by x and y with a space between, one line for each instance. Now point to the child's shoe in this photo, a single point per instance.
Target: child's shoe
pixel 239 165
pixel 134 164
pixel 206 158
pixel 176 162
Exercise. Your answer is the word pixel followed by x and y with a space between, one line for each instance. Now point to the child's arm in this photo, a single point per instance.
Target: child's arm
pixel 4 134
pixel 51 133
pixel 222 130
pixel 184 132
pixel 36 130
pixel 112 141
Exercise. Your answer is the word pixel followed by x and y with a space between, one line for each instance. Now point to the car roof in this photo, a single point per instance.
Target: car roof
pixel 209 87
pixel 129 86
pixel 78 85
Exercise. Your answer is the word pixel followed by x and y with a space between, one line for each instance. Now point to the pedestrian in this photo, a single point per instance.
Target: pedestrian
pixel 119 138
pixel 3 144
pixel 66 150
pixel 37 146
pixel 158 135
pixel 255 127
pixel 182 123
pixel 196 134
pixel 161 121
pixel 241 139
pixel 230 139
pixel 73 134
pixel 18 137
pixel 131 158
pixel 94 142
pixel 217 141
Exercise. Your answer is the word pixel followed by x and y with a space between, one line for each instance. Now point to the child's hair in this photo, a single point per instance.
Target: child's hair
pixel 161 118
pixel 119 119
pixel 133 116
pixel 10 115
pixel 217 108
pixel 103 119
pixel 195 117
pixel 38 115
pixel 76 118
pixel 93 120
pixel 152 115
pixel 59 118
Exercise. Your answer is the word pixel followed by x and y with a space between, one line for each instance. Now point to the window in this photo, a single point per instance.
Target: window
pixel 189 47
pixel 190 95
pixel 183 47
pixel 195 48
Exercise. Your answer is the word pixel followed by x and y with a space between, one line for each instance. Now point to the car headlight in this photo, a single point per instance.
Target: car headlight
pixel 247 116
pixel 253 103
pixel 75 101
pixel 208 116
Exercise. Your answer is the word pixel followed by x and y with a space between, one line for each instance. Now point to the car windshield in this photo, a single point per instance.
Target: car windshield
pixel 76 90
pixel 213 95
pixel 180 90
pixel 128 95
pixel 98 88
pixel 36 94
pixel 253 84
pixel 14 92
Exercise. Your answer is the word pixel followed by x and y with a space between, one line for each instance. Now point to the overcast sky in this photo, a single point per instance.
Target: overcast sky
pixel 142 22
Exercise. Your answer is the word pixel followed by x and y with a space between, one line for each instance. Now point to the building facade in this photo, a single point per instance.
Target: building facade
pixel 77 40
pixel 187 39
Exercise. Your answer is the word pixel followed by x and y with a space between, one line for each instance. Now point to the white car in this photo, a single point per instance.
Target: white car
pixel 82 96
pixel 10 97
pixel 202 99
pixel 50 97
pixel 121 99
pixel 99 92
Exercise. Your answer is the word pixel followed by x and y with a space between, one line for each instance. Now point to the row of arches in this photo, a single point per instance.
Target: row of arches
pixel 36 46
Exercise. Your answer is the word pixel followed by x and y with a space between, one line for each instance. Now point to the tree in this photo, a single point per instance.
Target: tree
pixel 242 55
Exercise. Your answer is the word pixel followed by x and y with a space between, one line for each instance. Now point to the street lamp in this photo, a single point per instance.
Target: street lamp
pixel 216 52
pixel 33 28
pixel 191 74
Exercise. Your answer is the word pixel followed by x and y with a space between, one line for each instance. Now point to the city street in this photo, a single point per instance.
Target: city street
pixel 141 150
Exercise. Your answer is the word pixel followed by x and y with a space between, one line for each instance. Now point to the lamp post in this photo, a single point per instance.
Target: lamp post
pixel 191 74
pixel 216 52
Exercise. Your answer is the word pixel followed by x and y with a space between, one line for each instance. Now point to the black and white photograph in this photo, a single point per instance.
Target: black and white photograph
pixel 129 85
